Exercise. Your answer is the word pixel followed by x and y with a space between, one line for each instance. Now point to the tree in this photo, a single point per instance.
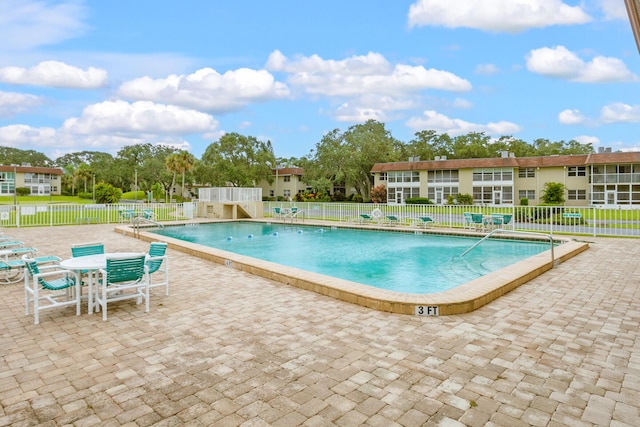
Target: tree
pixel 553 193
pixel 15 156
pixel 349 157
pixel 236 160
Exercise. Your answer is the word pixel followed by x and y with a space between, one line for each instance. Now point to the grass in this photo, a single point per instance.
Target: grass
pixel 43 200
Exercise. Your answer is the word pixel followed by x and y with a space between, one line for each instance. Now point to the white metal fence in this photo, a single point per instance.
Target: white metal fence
pixel 230 194
pixel 593 221
pixel 25 215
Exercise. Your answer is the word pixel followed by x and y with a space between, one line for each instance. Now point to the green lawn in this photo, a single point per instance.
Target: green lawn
pixel 40 200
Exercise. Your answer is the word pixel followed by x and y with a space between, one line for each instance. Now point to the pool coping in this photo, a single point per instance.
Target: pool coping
pixel 461 299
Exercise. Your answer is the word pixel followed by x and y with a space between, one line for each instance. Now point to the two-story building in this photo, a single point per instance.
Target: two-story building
pixel 604 178
pixel 40 180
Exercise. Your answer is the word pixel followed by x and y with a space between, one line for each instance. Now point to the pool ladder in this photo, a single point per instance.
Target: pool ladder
pixel 140 219
pixel 500 230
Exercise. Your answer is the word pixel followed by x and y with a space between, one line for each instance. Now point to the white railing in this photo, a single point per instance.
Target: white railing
pixel 38 215
pixel 593 221
pixel 230 194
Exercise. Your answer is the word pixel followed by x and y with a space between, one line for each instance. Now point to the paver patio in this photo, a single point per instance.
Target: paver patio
pixel 230 349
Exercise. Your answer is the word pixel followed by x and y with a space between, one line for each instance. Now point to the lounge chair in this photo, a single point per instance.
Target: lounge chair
pixel 392 220
pixel 12 269
pixel 276 212
pixel 48 287
pixel 423 222
pixel 123 278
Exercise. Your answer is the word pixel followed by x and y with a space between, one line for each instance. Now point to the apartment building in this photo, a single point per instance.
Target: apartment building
pixel 40 180
pixel 602 178
pixel 287 183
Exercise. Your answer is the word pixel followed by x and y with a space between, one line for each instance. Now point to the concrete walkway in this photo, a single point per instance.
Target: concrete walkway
pixel 231 349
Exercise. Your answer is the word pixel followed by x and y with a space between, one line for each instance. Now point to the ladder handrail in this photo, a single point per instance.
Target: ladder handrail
pixel 499 230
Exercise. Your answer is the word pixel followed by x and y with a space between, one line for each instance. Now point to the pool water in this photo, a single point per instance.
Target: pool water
pixel 416 263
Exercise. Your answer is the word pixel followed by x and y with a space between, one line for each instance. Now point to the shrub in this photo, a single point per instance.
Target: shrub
pixel 379 194
pixel 418 201
pixel 357 198
pixel 465 199
pixel 85 195
pixel 23 191
pixel 524 202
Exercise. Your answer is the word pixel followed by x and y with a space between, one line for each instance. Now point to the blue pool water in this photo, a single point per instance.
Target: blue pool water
pixel 402 262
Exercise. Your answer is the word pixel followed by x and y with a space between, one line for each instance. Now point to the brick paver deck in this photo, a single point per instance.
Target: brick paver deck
pixel 231 349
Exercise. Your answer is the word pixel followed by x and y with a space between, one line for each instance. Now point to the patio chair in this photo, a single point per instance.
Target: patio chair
pixel 123 278
pixel 49 286
pixel 127 215
pixel 147 214
pixel 276 212
pixel 478 221
pixel 467 220
pixel 423 222
pixel 85 249
pixel 157 262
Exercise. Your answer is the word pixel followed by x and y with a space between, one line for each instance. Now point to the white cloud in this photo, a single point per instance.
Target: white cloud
pixel 510 16
pixel 208 90
pixel 619 112
pixel 587 139
pixel 486 69
pixel 559 62
pixel 359 75
pixel 614 9
pixel 26 24
pixel 54 74
pixel 110 125
pixel 358 114
pixel 570 117
pixel 14 103
pixel 443 124
pixel 139 118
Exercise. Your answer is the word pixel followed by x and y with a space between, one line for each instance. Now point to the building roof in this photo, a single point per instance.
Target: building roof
pixel 512 162
pixel 31 169
pixel 633 9
pixel 288 171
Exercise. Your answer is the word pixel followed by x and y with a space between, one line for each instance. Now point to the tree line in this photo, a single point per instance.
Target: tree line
pixel 339 157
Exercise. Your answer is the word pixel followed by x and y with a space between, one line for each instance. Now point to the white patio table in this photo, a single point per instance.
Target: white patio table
pixel 91 263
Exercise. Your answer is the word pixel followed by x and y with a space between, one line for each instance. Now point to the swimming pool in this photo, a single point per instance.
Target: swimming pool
pixel 397 261
pixel 460 299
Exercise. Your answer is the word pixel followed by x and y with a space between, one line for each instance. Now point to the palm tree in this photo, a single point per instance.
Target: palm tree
pixel 69 178
pixel 84 172
pixel 186 161
pixel 172 163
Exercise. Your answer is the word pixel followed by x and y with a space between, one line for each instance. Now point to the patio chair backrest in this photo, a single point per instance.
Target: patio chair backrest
pixel 83 249
pixel 156 249
pixel 129 269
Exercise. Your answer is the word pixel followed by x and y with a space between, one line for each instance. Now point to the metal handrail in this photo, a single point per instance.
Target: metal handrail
pixel 136 224
pixel 500 230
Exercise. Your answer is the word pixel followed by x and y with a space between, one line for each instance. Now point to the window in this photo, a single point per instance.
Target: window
pixel 383 176
pixel 287 178
pixel 526 173
pixel 577 194
pixel 270 193
pixel 577 171
pixel 527 194
pixel 287 193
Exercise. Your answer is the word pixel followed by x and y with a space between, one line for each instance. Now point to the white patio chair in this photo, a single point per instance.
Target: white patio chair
pixel 125 277
pixel 49 286
pixel 157 262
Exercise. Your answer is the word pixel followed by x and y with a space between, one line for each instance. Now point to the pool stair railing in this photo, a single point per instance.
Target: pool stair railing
pixel 500 230
pixel 292 215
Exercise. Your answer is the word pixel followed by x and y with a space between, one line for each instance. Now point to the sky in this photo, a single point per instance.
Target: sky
pixel 101 75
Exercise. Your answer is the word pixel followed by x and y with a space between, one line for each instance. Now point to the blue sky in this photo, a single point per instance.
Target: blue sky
pixel 78 75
